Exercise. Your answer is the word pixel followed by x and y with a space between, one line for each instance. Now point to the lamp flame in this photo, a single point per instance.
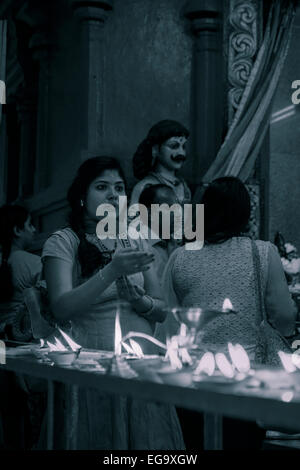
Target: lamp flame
pixel 224 365
pixel 185 356
pixel 118 335
pixel 136 348
pixel 74 346
pixel 287 361
pixel 239 357
pixel 182 330
pixel 127 348
pixel 172 353
pixel 207 364
pixel 296 359
pixel 59 345
pixel 52 346
pixel 227 305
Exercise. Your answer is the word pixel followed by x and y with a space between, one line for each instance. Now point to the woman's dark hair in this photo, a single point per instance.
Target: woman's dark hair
pixel 226 209
pixel 11 216
pixel 90 257
pixel 158 134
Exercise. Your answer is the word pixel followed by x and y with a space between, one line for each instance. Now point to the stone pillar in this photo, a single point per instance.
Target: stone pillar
pixel 205 17
pixel 27 108
pixel 243 34
pixel 42 46
pixel 40 17
pixel 92 16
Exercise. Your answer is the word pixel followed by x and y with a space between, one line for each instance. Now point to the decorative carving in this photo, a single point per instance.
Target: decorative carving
pixel 243 41
pixel 254 221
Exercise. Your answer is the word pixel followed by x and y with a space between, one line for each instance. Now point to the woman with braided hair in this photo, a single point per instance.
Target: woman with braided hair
pixel 158 159
pixel 19 270
pixel 82 274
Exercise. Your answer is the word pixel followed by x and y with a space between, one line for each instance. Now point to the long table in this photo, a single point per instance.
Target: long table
pixel 275 400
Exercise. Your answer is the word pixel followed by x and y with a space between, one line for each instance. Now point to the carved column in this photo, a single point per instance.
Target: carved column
pixel 27 108
pixel 207 94
pixel 243 36
pixel 92 16
pixel 40 17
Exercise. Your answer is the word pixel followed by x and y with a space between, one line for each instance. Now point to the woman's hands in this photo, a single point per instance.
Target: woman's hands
pixel 134 294
pixel 127 261
pixel 129 291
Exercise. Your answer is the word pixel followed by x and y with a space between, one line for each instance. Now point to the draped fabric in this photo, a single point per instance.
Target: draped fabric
pixel 3 30
pixel 240 149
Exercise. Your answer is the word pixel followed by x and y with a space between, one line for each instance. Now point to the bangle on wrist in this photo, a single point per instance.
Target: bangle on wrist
pixel 292 335
pixel 100 274
pixel 150 309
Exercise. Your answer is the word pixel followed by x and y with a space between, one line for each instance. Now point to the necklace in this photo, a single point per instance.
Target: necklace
pixel 102 247
pixel 163 179
pixel 99 243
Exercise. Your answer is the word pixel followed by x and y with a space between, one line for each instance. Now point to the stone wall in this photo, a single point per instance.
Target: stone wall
pixel 146 77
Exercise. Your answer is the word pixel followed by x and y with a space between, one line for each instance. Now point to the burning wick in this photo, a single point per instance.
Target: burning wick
pixel 74 346
pixel 118 335
pixel 227 306
pixel 239 357
pixel 224 365
pixel 287 362
pixel 206 364
pixel 58 345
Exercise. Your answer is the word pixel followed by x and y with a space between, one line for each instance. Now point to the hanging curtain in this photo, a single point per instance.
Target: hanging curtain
pixel 243 141
pixel 3 29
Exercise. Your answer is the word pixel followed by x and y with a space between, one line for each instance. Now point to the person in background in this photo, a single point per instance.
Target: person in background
pixel 19 270
pixel 225 268
pixel 161 247
pixel 158 159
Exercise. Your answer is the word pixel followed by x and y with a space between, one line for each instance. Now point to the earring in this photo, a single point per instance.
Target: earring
pixel 81 202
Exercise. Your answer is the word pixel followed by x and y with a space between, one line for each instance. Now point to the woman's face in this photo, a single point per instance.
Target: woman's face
pixel 172 153
pixel 105 189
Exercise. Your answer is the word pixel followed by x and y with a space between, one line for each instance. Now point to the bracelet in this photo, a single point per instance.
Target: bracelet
pixel 101 275
pixel 150 310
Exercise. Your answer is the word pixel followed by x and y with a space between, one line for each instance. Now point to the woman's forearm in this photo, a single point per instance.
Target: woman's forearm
pixel 75 302
pixel 150 308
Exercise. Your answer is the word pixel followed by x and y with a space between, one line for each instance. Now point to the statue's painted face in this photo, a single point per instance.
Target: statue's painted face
pixel 172 153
